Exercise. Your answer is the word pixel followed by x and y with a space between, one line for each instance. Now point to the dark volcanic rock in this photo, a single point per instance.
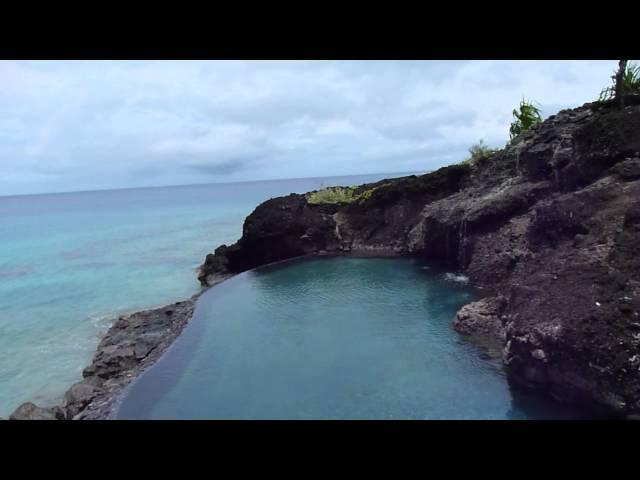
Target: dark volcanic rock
pixel 288 227
pixel 482 317
pixel 133 337
pixel 30 411
pixel 78 397
pixel 629 169
pixel 278 229
pixel 382 225
pixel 133 343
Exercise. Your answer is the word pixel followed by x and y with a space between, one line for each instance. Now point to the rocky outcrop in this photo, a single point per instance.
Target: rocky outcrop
pixel 288 227
pixel 30 411
pixel 482 317
pixel 78 397
pixel 549 227
pixel 278 229
pixel 132 344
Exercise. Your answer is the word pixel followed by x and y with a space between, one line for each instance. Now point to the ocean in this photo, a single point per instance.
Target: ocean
pixel 70 263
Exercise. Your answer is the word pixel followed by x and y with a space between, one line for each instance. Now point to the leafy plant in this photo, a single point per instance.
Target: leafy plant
pixel 528 116
pixel 340 195
pixel 332 195
pixel 630 83
pixel 478 151
pixel 366 195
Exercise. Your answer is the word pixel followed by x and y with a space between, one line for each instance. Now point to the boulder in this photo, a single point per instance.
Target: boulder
pixel 78 397
pixel 30 411
pixel 482 317
pixel 628 169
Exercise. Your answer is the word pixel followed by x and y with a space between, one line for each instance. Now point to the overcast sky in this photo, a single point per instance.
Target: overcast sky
pixel 83 125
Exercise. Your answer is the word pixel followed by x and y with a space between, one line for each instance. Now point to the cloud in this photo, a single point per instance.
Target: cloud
pixel 69 125
pixel 225 167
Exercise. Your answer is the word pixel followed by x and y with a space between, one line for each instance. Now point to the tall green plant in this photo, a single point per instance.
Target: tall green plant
pixel 629 83
pixel 527 116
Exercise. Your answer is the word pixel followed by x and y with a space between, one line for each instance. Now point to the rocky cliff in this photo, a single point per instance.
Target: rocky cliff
pixel 548 227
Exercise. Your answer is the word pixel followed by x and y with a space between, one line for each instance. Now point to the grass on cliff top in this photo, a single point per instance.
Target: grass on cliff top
pixel 477 152
pixel 339 195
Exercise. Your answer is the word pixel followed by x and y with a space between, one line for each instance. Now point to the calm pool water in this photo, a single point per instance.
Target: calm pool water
pixel 338 338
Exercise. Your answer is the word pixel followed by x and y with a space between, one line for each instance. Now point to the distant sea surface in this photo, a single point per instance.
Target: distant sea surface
pixel 71 262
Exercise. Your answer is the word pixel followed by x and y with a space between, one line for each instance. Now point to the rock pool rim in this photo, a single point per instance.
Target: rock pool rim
pixel 303 301
pixel 440 266
pixel 106 394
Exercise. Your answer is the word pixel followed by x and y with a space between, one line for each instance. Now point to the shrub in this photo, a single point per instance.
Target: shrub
pixel 630 83
pixel 478 151
pixel 340 195
pixel 528 116
pixel 332 195
pixel 366 195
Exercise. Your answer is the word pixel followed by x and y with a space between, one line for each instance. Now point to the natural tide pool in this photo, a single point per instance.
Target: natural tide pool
pixel 330 338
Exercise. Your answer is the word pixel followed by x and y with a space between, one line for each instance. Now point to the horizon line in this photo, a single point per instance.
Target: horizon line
pixel 203 184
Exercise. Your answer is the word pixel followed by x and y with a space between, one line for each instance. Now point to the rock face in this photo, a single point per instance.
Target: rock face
pixel 548 226
pixel 278 229
pixel 287 227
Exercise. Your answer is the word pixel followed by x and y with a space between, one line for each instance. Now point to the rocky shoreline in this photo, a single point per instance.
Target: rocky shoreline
pixel 548 227
pixel 132 344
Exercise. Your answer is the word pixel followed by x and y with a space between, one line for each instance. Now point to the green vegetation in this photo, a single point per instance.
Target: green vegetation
pixel 528 116
pixel 366 195
pixel 479 151
pixel 629 82
pixel 334 195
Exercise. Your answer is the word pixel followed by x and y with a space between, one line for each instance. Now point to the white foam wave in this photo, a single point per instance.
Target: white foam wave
pixel 456 277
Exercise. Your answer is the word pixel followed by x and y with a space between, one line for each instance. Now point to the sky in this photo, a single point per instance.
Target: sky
pixel 87 125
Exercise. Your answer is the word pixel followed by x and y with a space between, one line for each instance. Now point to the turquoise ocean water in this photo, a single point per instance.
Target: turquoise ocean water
pixel 69 263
